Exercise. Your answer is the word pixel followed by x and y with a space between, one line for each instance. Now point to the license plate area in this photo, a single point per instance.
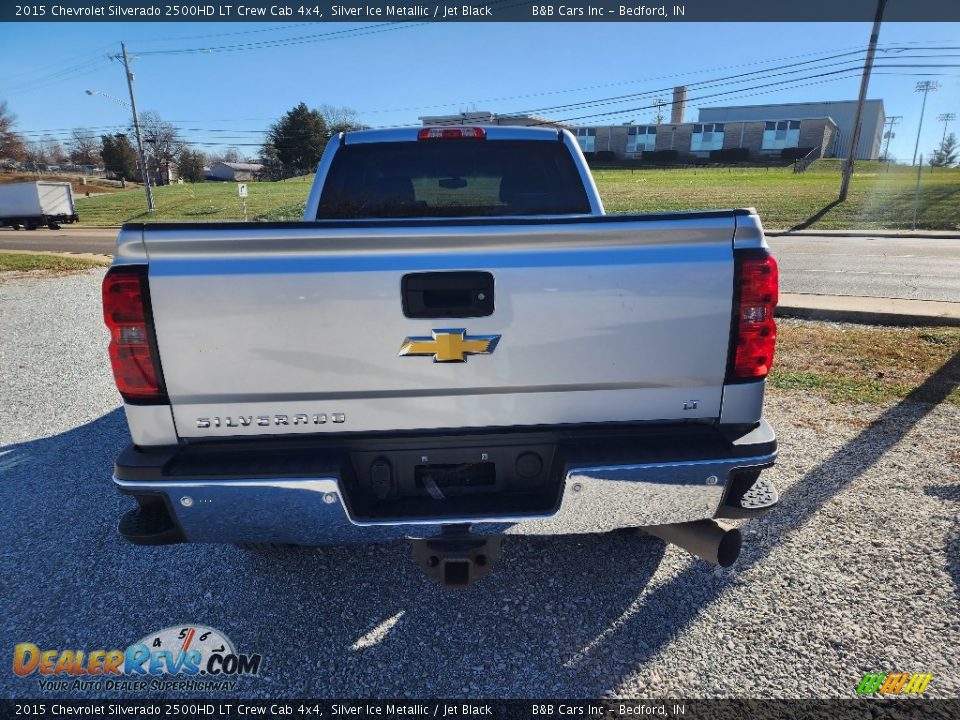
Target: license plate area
pixel 454 481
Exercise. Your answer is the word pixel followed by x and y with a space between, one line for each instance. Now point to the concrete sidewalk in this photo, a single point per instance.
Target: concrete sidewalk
pixel 869 310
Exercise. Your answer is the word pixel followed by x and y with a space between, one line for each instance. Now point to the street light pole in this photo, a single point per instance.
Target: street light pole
pixel 136 128
pixel 858 117
pixel 924 86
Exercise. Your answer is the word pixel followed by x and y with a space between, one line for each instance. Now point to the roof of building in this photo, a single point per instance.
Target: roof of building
pixel 241 166
pixel 811 102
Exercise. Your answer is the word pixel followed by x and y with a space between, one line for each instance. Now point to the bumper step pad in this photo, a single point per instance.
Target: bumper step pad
pixel 150 525
pixel 749 496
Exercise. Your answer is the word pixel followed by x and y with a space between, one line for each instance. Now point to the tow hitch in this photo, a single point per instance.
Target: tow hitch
pixel 457 557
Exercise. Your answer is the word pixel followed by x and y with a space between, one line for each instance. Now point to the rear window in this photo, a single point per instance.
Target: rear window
pixel 452 178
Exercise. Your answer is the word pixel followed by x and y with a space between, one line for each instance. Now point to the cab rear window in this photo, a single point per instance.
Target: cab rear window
pixel 452 178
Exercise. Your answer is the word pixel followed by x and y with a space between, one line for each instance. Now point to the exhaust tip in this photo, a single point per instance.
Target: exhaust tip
pixel 707 539
pixel 729 548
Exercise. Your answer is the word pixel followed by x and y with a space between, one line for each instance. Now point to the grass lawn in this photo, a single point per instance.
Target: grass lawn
pixel 843 362
pixel 202 201
pixel 878 199
pixel 50 264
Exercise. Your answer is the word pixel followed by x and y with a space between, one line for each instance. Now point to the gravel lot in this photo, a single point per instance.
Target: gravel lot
pixel 859 570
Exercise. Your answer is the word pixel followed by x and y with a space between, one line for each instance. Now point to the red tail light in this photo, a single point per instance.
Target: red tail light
pixel 133 352
pixel 754 330
pixel 457 132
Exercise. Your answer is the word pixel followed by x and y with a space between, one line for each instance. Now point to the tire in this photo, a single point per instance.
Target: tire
pixel 32 227
pixel 53 226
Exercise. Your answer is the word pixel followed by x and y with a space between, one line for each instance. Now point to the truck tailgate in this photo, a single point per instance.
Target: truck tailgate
pixel 267 329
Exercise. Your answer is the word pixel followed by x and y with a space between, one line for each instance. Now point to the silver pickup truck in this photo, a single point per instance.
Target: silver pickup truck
pixel 456 344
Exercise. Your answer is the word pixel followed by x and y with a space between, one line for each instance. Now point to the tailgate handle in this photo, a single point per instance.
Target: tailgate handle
pixel 447 294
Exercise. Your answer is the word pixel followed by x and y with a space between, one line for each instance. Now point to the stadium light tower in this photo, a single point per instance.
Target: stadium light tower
pixel 946 119
pixel 925 87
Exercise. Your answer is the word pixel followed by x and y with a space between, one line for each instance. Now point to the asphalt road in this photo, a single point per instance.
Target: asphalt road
pixel 910 268
pixel 858 570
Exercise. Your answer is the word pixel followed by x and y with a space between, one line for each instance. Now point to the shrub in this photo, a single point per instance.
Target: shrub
pixel 661 156
pixel 729 155
pixel 794 153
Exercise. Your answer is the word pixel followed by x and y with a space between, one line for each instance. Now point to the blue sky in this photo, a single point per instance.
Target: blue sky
pixel 392 75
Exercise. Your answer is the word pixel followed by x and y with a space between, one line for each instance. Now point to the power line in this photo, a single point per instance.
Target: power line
pixel 720 81
pixel 892 47
pixel 284 42
pixel 228 136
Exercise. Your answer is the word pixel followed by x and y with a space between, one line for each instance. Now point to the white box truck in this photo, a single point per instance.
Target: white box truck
pixel 33 204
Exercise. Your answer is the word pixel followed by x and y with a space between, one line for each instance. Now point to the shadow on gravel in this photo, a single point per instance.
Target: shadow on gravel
pixel 339 621
pixel 951 495
pixel 667 610
pixel 565 617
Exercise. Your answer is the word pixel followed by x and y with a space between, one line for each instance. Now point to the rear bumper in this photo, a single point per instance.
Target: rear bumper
pixel 596 492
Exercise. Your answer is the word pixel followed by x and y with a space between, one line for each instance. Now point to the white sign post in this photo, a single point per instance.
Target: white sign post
pixel 242 192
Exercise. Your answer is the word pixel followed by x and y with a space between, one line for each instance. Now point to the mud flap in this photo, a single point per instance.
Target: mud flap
pixel 457 557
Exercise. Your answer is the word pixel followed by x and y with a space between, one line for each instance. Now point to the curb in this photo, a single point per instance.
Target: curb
pixel 896 234
pixel 869 311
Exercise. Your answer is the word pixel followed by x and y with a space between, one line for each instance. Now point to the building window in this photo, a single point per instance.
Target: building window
pixel 707 137
pixel 641 138
pixel 781 134
pixel 587 139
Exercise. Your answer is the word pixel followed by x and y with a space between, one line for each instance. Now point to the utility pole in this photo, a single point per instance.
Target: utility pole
pixel 924 86
pixel 892 121
pixel 136 128
pixel 658 118
pixel 864 83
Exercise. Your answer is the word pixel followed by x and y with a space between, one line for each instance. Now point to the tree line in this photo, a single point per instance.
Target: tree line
pixel 293 146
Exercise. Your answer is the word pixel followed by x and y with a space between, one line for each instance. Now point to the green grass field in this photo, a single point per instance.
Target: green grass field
pixel 878 199
pixel 202 201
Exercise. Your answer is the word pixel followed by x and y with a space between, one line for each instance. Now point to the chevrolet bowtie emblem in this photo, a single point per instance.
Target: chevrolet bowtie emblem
pixel 450 345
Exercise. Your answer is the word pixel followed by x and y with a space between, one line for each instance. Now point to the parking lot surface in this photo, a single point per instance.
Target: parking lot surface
pixel 857 571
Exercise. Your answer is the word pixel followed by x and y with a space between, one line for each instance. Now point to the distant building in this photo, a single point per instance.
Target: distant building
pixel 489 118
pixel 840 112
pixel 762 138
pixel 235 171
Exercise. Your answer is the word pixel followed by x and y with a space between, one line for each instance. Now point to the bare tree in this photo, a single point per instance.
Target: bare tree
pixel 11 144
pixel 53 150
pixel 34 155
pixel 339 118
pixel 85 147
pixel 162 143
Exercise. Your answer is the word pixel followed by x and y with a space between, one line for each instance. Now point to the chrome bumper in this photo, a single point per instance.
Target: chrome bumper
pixel 312 511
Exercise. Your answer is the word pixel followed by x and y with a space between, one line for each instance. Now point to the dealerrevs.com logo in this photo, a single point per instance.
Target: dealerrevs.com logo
pixel 183 657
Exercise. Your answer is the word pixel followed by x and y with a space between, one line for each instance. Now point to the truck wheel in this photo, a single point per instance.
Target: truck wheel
pixel 53 226
pixel 16 226
pixel 32 227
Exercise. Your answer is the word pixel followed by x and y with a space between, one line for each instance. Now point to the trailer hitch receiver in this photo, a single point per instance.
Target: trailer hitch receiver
pixel 456 557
